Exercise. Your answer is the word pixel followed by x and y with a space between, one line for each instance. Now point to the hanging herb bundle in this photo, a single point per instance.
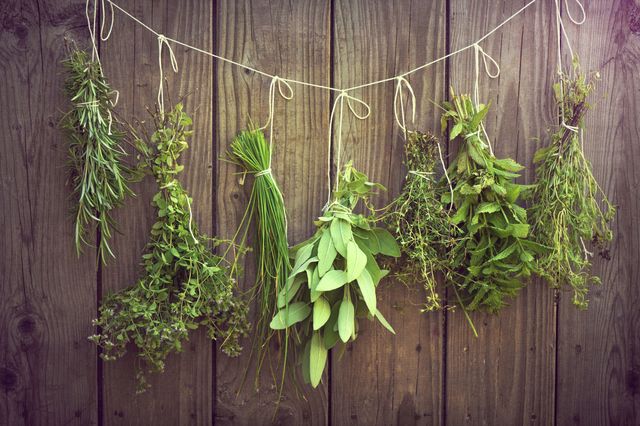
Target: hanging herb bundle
pixel 335 275
pixel 183 285
pixel 251 151
pixel 99 179
pixel 565 212
pixel 419 220
pixel 493 251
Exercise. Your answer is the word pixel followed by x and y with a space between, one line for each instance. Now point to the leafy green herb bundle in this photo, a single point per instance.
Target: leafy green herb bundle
pixel 565 212
pixel 99 179
pixel 493 251
pixel 419 220
pixel 184 285
pixel 251 151
pixel 335 275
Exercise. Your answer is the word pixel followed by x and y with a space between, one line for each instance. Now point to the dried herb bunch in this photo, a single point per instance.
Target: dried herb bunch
pixel 335 275
pixel 419 220
pixel 183 285
pixel 252 153
pixel 566 211
pixel 98 176
pixel 493 251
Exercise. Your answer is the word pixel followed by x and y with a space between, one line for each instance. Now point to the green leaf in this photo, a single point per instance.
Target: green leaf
pixel 388 245
pixel 326 252
pixel 541 154
pixel 330 332
pixel 384 322
pixel 346 317
pixel 368 290
pixel 321 312
pixel 290 315
pixel 479 116
pixel 504 253
pixel 519 230
pixel 340 231
pixel 508 164
pixel 290 290
pixel 332 280
pixel 356 261
pixel 455 131
pixel 317 359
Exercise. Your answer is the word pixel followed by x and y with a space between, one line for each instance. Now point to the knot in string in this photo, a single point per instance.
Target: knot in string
pixel 486 59
pixel 164 41
pixel 263 172
pixel 276 83
pixel 352 101
pixel 400 118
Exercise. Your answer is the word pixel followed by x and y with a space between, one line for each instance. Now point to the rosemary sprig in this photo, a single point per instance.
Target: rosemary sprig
pixel 565 213
pixel 99 179
pixel 183 285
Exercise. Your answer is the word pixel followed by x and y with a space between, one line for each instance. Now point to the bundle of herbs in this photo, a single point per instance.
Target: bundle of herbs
pixel 335 275
pixel 98 176
pixel 251 152
pixel 183 285
pixel 493 251
pixel 419 220
pixel 569 210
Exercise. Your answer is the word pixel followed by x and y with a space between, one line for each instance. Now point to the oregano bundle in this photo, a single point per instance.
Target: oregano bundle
pixel 418 219
pixel 335 274
pixel 569 210
pixel 183 285
pixel 98 176
pixel 493 251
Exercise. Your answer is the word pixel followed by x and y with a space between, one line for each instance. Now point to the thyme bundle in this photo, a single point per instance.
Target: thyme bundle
pixel 335 275
pixel 184 285
pixel 493 250
pixel 251 151
pixel 99 179
pixel 419 220
pixel 565 212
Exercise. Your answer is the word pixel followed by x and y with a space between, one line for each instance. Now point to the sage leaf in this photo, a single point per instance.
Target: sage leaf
pixel 384 322
pixel 326 252
pixel 317 359
pixel 346 317
pixel 368 290
pixel 290 315
pixel 332 280
pixel 321 312
pixel 356 261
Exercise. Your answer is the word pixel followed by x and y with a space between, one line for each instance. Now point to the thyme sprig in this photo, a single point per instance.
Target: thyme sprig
pixel 183 285
pixel 569 211
pixel 99 179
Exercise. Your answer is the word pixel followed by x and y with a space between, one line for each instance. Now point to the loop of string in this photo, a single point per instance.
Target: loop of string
pixel 339 103
pixel 279 83
pixel 164 41
pixel 195 240
pixel 486 59
pixel 400 118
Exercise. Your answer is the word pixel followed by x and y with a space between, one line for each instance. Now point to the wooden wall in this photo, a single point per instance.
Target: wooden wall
pixel 539 362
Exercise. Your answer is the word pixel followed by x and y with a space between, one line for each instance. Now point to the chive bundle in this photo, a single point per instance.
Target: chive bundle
pixel 99 179
pixel 251 151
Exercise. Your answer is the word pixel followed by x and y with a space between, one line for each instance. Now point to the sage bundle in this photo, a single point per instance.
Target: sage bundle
pixel 251 151
pixel 569 211
pixel 493 251
pixel 418 219
pixel 335 274
pixel 183 285
pixel 99 179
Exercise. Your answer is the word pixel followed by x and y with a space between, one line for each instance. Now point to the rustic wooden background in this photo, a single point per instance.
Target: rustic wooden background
pixel 539 362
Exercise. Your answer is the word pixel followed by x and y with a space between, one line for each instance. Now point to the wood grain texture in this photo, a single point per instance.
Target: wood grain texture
pixel 290 39
pixel 384 379
pixel 506 375
pixel 47 365
pixel 183 394
pixel 599 349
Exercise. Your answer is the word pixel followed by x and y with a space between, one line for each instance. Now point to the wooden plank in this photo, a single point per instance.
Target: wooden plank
pixel 599 349
pixel 506 375
pixel 384 379
pixel 47 365
pixel 292 40
pixel 183 393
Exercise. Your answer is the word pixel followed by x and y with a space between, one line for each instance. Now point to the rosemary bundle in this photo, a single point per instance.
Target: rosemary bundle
pixel 419 220
pixel 183 285
pixel 99 179
pixel 251 151
pixel 565 212
pixel 335 275
pixel 492 252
